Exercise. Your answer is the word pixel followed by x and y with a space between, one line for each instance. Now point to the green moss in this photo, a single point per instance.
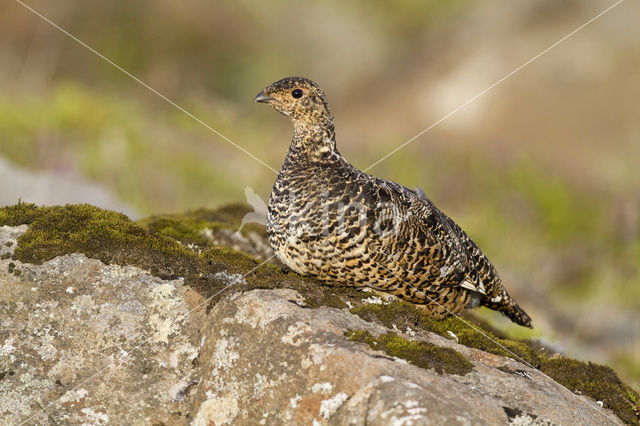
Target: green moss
pixel 185 232
pixel 230 214
pixel 403 314
pixel 188 228
pixel 19 214
pixel 398 313
pixel 101 234
pixel 596 381
pixel 329 296
pixel 422 354
pixel 470 334
pixel 331 300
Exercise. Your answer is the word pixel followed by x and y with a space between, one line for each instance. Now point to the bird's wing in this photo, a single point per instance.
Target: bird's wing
pixel 461 253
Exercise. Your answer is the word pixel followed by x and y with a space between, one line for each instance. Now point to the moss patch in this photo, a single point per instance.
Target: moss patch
pixel 101 234
pixel 597 381
pixel 185 232
pixel 422 354
pixel 403 314
pixel 187 227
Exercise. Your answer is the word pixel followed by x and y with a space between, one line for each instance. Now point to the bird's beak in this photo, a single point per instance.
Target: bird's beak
pixel 261 97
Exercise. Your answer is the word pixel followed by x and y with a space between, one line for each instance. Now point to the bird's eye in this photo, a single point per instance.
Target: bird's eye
pixel 296 93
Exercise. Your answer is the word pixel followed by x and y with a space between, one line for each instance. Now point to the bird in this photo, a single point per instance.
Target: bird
pixel 328 220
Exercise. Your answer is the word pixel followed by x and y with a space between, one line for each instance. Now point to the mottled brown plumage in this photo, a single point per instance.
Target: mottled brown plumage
pixel 329 220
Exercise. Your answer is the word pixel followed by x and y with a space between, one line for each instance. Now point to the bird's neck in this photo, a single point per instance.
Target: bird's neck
pixel 313 142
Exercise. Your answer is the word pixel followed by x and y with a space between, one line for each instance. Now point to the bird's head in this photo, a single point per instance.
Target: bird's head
pixel 299 99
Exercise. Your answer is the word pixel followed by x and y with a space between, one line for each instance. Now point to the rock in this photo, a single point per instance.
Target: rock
pixel 83 341
pixel 106 343
pixel 54 188
pixel 273 360
pixel 9 238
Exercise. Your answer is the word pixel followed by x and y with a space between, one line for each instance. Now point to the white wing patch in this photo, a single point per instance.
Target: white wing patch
pixel 471 286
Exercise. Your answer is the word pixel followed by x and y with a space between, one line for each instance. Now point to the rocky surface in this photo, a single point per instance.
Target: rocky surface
pixel 85 342
pixel 55 188
pixel 274 360
pixel 92 343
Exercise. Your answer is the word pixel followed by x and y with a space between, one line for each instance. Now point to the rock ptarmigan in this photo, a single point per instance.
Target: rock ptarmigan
pixel 331 221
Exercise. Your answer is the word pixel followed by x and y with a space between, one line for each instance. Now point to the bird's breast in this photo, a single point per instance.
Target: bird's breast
pixel 313 229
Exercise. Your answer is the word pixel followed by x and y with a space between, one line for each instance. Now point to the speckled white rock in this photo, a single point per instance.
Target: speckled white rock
pixel 111 350
pixel 9 238
pixel 271 361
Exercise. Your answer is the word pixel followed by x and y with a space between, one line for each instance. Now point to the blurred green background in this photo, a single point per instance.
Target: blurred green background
pixel 542 171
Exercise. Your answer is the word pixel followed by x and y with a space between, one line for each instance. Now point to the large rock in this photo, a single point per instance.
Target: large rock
pixel 271 359
pixel 84 342
pixel 92 343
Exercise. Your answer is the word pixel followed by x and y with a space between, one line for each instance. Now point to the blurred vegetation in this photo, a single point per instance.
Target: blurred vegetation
pixel 541 171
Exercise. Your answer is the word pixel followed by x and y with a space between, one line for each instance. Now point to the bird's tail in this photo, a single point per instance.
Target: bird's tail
pixel 516 314
pixel 502 302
